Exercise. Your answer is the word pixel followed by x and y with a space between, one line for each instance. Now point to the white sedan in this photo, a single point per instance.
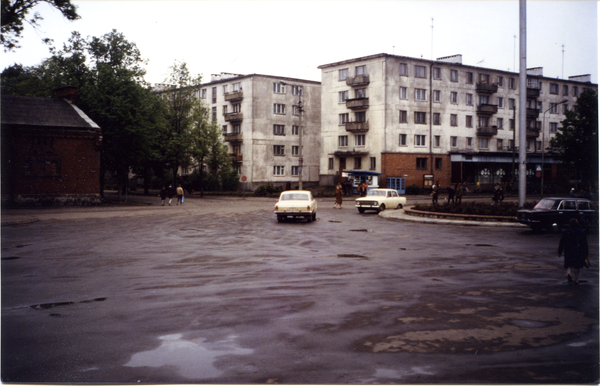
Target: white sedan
pixel 296 204
pixel 379 199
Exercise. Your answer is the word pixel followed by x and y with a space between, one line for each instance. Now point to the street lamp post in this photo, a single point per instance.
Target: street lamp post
pixel 544 142
pixel 300 130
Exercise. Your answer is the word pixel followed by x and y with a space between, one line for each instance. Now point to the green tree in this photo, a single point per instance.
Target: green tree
pixel 576 142
pixel 14 15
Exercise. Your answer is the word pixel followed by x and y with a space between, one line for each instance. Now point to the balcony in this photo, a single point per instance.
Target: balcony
pixel 486 131
pixel 533 92
pixel 357 103
pixel 486 109
pixel 232 137
pixel 486 88
pixel 361 80
pixel 532 133
pixel 234 96
pixel 233 117
pixel 357 126
pixel 236 158
pixel 350 153
pixel 533 113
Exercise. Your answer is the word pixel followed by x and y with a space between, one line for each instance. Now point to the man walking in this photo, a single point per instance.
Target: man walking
pixel 575 246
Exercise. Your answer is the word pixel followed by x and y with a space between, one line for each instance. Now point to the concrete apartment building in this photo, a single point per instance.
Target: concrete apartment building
pixel 416 121
pixel 261 122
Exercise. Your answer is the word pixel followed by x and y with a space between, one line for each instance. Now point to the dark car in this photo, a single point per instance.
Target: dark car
pixel 555 213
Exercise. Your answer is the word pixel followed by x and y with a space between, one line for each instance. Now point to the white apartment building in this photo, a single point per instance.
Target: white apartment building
pixel 261 119
pixel 416 121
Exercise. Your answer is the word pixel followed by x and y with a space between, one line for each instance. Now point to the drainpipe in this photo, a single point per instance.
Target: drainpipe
pixel 431 120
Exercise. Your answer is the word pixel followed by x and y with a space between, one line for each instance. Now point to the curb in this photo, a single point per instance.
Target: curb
pixel 401 216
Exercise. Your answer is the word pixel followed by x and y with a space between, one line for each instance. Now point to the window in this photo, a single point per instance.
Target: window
pixel 237 86
pixel 420 118
pixel 373 163
pixel 343 96
pixel 511 103
pixel 224 89
pixel 511 83
pixel 402 139
pixel 500 81
pixel 500 123
pixel 453 75
pixel 357 163
pixel 553 108
pixel 331 163
pixel 343 74
pixel 469 122
pixel 470 99
pixel 295 150
pixel 403 116
pixel 438 163
pixel 344 118
pixel 511 144
pixel 436 141
pixel 403 93
pixel 237 128
pixel 483 143
pixel 278 108
pixel 279 150
pixel 224 129
pixel 420 72
pixel 203 94
pixel 278 88
pixel 278 170
pixel 436 119
pixel 553 127
pixel 359 140
pixel 420 94
pixel 500 102
pixel 279 130
pixel 360 116
pixel 420 140
pixel 484 122
pixel 237 107
pixel 437 73
pixel 499 144
pixel 343 141
pixel 360 93
pixel 470 142
pixel 453 119
pixel 538 145
pixel 214 113
pixel 437 96
pixel 511 123
pixel 224 110
pixel 484 99
pixel 295 170
pixel 297 90
pixel 214 95
pixel 484 78
pixel 421 163
pixel 469 77
pixel 296 110
pixel 453 97
pixel 554 88
pixel 360 70
pixel 403 70
pixel 453 141
pixel 565 90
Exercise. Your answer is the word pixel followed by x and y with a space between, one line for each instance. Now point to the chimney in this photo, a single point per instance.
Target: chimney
pixel 67 92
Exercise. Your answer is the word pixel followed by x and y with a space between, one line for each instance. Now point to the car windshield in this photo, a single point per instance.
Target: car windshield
pixel 544 204
pixel 375 192
pixel 294 196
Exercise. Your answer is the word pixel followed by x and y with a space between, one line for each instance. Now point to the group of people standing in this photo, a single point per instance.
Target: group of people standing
pixel 455 193
pixel 339 191
pixel 169 192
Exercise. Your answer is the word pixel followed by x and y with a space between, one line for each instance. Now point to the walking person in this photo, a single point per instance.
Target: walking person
pixel 179 195
pixel 450 194
pixel 435 192
pixel 163 195
pixel 496 196
pixel 339 193
pixel 459 193
pixel 170 193
pixel 575 246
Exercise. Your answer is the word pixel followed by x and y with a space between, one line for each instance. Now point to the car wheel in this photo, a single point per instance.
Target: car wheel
pixel 309 218
pixel 361 210
pixel 381 208
pixel 399 206
pixel 314 216
pixel 280 218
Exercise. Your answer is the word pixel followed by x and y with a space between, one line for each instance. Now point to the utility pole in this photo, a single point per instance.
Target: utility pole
pixel 522 102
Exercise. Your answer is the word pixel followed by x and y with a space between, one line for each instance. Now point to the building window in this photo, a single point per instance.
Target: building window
pixel 237 86
pixel 359 140
pixel 511 103
pixel 295 150
pixel 343 141
pixel 360 70
pixel 278 88
pixel 373 163
pixel 575 91
pixel 470 142
pixel 224 89
pixel 484 99
pixel 403 69
pixel 538 145
pixel 420 94
pixel 453 75
pixel 500 102
pixel 454 141
pixel 344 118
pixel 469 122
pixel 331 163
pixel 554 88
pixel 224 110
pixel 279 150
pixel 278 170
pixel 553 108
pixel 295 130
pixel 420 118
pixel 469 78
pixel 279 130
pixel 297 90
pixel 437 96
pixel 438 163
pixel 237 128
pixel 224 129
pixel 357 163
pixel 295 170
pixel 500 81
pixel 511 123
pixel 343 74
pixel 453 119
pixel 553 127
pixel 296 110
pixel 403 116
pixel 343 96
pixel 484 78
pixel 402 139
pixel 403 92
pixel 437 73
pixel 203 94
pixel 500 123
pixel 511 144
pixel 499 143
pixel 214 95
pixel 470 99
pixel 483 143
pixel 214 113
pixel 278 108
pixel 237 107
pixel 360 93
pixel 436 119
pixel 420 140
pixel 422 163
pixel 420 71
pixel 453 97
pixel 484 122
pixel 565 90
pixel 511 83
pixel 436 141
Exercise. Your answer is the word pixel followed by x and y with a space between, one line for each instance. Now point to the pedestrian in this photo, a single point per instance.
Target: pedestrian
pixel 477 188
pixel 572 192
pixel 163 195
pixel 435 192
pixel 170 193
pixel 348 187
pixel 365 189
pixel 339 193
pixel 179 195
pixel 496 196
pixel 575 246
pixel 459 193
pixel 450 194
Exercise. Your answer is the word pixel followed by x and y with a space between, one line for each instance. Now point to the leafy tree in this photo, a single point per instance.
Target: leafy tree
pixel 576 142
pixel 14 14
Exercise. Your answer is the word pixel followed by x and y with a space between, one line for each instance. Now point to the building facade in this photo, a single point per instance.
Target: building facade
pixel 418 121
pixel 261 117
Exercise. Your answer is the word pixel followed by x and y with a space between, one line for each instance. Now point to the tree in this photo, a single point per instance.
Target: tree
pixel 14 14
pixel 576 142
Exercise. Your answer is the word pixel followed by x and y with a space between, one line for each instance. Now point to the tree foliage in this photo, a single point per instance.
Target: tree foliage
pixel 576 142
pixel 15 14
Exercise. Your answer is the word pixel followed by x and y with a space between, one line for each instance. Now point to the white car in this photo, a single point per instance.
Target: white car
pixel 296 204
pixel 379 199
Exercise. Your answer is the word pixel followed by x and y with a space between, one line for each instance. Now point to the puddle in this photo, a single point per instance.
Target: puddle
pixel 530 323
pixel 192 359
pixel 361 230
pixel 352 256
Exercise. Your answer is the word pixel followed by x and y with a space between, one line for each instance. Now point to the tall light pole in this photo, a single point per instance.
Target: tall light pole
pixel 544 139
pixel 300 130
pixel 522 101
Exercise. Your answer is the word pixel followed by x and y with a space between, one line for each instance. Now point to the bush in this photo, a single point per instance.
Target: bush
pixel 267 190
pixel 414 190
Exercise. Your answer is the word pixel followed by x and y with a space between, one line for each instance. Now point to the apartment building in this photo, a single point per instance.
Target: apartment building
pixel 261 117
pixel 418 121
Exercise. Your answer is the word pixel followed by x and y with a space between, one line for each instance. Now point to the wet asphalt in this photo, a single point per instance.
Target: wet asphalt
pixel 217 291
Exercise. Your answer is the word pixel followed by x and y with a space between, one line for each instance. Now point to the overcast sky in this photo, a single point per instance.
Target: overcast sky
pixel 292 38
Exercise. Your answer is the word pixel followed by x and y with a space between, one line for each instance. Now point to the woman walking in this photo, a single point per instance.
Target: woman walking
pixel 339 193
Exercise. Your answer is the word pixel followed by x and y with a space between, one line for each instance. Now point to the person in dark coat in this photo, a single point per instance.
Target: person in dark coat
pixel 163 195
pixel 339 193
pixel 458 189
pixel 450 194
pixel 575 246
pixel 170 193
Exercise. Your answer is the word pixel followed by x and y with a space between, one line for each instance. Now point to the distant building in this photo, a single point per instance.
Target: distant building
pixel 417 121
pixel 50 152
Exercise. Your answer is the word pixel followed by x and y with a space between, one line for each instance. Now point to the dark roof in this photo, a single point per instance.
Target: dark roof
pixel 48 112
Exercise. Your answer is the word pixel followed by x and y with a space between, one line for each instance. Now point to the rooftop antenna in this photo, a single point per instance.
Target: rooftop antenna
pixel 431 38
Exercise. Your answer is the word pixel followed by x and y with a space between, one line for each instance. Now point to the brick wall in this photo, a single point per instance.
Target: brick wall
pixel 400 164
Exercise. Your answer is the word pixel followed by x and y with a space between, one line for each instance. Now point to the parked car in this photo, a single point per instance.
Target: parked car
pixel 379 199
pixel 296 204
pixel 555 213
